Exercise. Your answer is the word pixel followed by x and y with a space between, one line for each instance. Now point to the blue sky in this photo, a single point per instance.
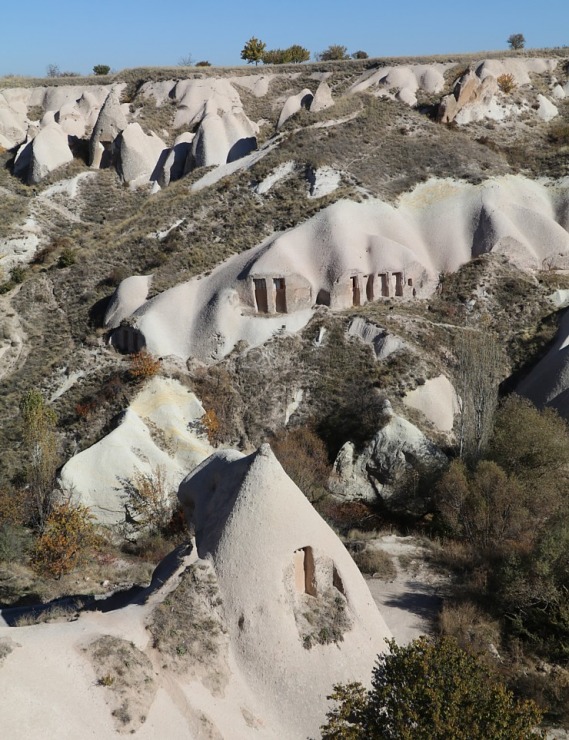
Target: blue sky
pixel 75 35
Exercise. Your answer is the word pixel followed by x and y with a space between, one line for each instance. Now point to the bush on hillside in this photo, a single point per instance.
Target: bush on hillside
pixel 68 534
pixel 101 69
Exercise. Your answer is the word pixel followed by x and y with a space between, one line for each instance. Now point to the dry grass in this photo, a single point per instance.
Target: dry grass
pixel 128 677
pixel 376 562
pixel 188 627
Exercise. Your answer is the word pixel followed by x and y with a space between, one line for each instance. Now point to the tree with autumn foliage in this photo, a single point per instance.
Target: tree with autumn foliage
pixel 68 534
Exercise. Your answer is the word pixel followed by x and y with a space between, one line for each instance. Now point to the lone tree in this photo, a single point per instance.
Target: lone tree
pixel 52 70
pixel 40 440
pixel 101 69
pixel 333 53
pixel 516 41
pixel 360 55
pixel 186 61
pixel 253 51
pixel 430 691
pixel 477 376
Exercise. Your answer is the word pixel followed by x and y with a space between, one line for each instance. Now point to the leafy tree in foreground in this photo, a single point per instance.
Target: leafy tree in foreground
pixel 430 691
pixel 516 41
pixel 253 51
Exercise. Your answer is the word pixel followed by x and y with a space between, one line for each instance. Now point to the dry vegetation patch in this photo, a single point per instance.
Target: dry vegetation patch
pixel 127 676
pixel 188 627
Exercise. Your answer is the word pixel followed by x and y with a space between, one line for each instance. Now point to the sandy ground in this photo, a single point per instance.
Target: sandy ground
pixel 411 602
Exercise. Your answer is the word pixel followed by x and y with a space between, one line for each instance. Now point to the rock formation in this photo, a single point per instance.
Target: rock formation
pixel 97 476
pixel 49 150
pixel 140 156
pixel 385 470
pixel 276 560
pixel 293 104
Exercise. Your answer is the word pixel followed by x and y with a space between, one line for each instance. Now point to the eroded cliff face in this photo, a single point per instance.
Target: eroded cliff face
pixel 212 217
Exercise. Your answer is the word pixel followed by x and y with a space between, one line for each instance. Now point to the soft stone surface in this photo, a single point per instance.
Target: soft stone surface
pixel 177 160
pixel 223 138
pixel 383 468
pixel 437 400
pixel 294 104
pixel 548 383
pixel 96 475
pixel 139 155
pixel 546 110
pixel 50 150
pixel 322 98
pixel 110 123
pixel 250 519
pixel 129 295
pixel 193 96
pixel 437 227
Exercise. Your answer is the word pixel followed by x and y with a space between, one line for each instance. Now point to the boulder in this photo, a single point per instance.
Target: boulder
pixel 49 150
pixel 222 138
pixel 98 474
pixel 388 467
pixel 195 95
pixel 322 98
pixel 177 160
pixel 546 111
pixel 111 121
pixel 140 156
pixel 129 295
pixel 469 91
pixel 13 125
pixel 294 104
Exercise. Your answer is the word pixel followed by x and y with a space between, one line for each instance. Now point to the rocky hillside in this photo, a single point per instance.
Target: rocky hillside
pixel 249 200
pixel 196 260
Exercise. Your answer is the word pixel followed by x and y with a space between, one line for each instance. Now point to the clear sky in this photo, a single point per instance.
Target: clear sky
pixel 75 34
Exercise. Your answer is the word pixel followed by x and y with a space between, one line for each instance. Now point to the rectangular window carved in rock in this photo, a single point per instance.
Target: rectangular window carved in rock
pixel 280 295
pixel 261 295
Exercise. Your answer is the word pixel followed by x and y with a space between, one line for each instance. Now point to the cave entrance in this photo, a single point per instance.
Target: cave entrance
pixel 304 576
pixel 370 288
pixel 280 295
pixel 398 276
pixel 356 300
pixel 261 295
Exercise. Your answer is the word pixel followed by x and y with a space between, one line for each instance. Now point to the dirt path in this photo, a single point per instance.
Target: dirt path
pixel 410 603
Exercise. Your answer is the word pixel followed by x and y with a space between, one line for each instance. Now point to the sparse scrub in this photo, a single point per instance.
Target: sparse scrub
pixel 149 502
pixel 506 83
pixel 143 366
pixel 304 457
pixel 127 673
pixel 376 562
pixel 188 627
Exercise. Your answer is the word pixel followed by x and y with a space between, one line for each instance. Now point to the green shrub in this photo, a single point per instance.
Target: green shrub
pixel 66 258
pixel 101 69
pixel 430 690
